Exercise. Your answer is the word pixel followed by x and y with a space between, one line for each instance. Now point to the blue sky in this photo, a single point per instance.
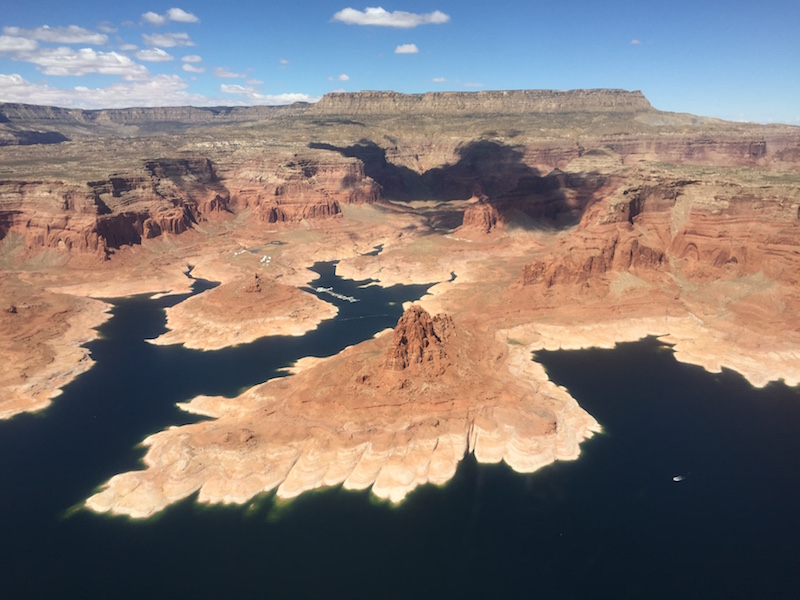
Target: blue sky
pixel 734 60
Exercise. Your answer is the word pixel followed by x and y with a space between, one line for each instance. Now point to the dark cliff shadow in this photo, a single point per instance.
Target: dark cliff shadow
pixel 497 172
pixel 557 200
pixel 483 166
pixel 398 182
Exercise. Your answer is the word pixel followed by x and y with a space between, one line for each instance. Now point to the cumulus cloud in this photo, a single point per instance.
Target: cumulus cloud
pixel 439 79
pixel 635 42
pixel 128 47
pixel 181 16
pixel 235 88
pixel 13 44
pixel 154 18
pixel 283 61
pixel 251 96
pixel 226 73
pixel 173 14
pixel 161 90
pixel 154 55
pixel 189 68
pixel 65 62
pixel 342 77
pixel 192 58
pixel 168 40
pixel 406 49
pixel 383 18
pixel 71 34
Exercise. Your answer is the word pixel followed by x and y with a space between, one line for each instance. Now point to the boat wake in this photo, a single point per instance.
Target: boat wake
pixel 330 292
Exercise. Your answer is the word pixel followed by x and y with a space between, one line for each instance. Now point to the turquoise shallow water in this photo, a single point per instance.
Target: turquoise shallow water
pixel 613 524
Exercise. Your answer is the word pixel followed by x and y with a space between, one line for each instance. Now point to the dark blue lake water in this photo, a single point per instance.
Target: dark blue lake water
pixel 613 524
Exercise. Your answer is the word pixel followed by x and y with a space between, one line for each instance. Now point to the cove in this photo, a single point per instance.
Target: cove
pixel 611 524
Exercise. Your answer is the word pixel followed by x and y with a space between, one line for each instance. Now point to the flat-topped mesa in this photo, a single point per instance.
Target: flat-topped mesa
pixel 419 341
pixel 21 114
pixel 498 102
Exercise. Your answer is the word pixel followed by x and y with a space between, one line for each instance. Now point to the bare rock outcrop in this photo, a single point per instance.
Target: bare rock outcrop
pixel 481 217
pixel 301 189
pixel 593 257
pixel 50 214
pixel 349 420
pixel 419 342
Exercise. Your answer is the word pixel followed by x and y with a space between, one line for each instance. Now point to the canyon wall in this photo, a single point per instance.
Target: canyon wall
pixel 500 102
pixel 172 195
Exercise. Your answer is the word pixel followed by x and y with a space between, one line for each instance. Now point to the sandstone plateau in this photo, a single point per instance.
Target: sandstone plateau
pixel 549 220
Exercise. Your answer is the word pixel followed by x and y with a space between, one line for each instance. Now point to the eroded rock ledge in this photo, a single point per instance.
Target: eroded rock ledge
pixel 392 413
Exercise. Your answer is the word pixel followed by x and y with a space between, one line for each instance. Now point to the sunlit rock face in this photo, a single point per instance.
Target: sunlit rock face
pixel 386 418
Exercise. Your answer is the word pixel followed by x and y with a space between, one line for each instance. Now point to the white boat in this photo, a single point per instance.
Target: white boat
pixel 330 292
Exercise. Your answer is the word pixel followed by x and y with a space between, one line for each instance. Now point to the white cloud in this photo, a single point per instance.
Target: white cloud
pixel 635 42
pixel 173 14
pixel 226 73
pixel 406 49
pixel 192 58
pixel 106 27
pixel 283 61
pixel 235 88
pixel 168 40
pixel 128 47
pixel 189 68
pixel 161 90
pixel 65 62
pixel 10 43
pixel 439 79
pixel 71 34
pixel 154 18
pixel 383 18
pixel 250 96
pixel 254 82
pixel 154 55
pixel 181 16
pixel 343 77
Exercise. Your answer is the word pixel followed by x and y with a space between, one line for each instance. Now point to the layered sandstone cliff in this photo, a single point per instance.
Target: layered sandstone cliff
pixel 172 195
pixel 30 113
pixel 504 102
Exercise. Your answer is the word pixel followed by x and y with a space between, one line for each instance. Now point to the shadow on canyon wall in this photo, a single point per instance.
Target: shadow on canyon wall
pixel 493 171
pixel 483 166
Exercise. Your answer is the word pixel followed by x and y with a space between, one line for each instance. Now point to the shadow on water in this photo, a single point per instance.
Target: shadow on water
pixel 524 196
